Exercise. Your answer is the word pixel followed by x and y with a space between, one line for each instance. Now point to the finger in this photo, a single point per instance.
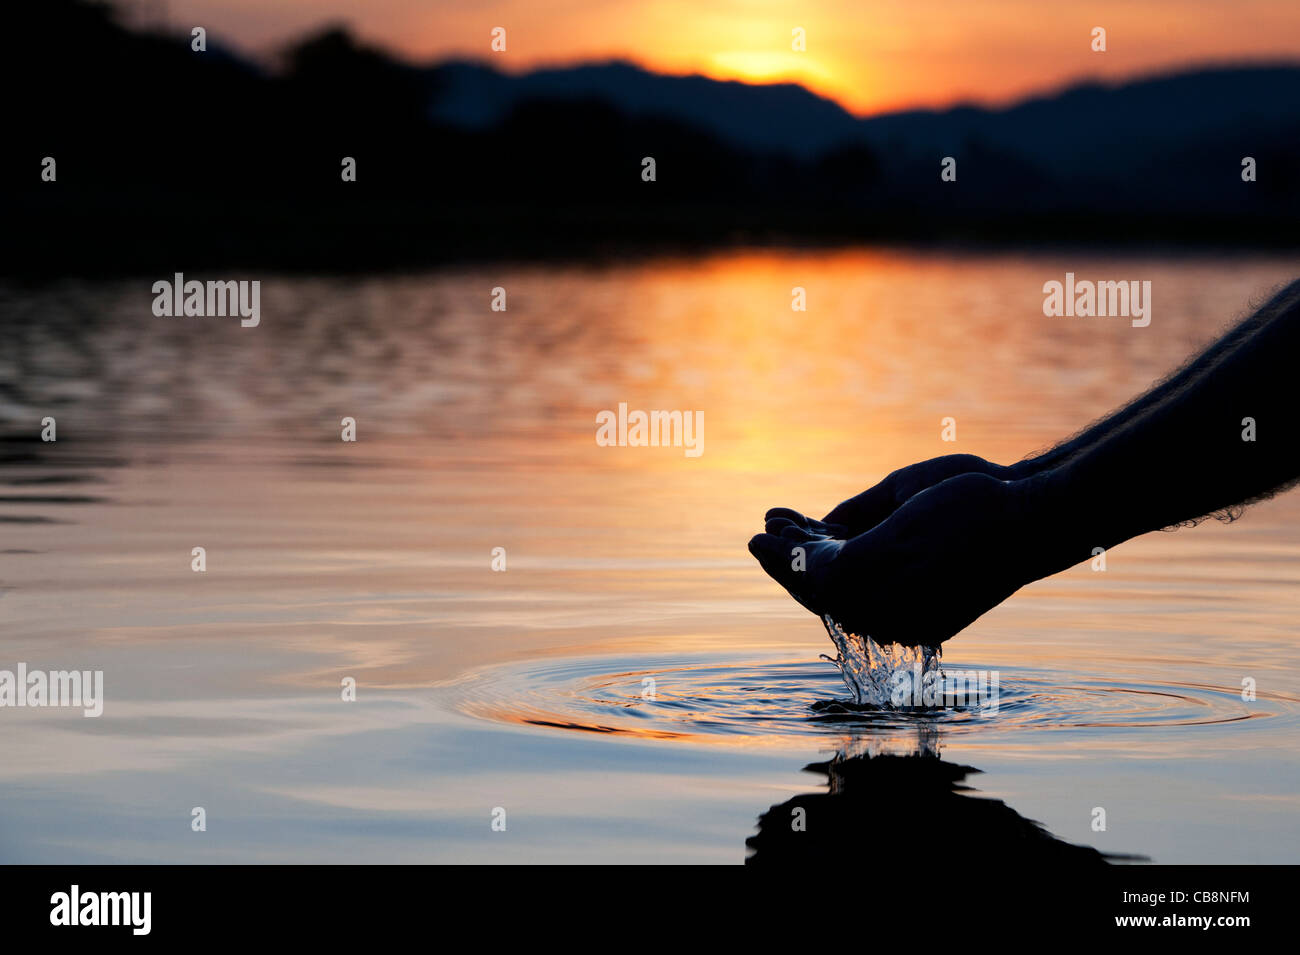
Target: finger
pixel 866 510
pixel 793 532
pixel 839 531
pixel 775 525
pixel 787 514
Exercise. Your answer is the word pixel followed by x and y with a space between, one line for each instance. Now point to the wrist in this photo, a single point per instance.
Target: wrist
pixel 1025 469
pixel 1059 523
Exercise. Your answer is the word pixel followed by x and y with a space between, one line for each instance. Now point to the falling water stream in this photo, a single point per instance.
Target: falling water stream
pixel 880 675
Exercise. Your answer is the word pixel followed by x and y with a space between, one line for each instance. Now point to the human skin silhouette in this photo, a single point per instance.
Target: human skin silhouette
pixel 975 532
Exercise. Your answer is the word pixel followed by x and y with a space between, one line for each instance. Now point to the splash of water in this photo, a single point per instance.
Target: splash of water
pixel 869 669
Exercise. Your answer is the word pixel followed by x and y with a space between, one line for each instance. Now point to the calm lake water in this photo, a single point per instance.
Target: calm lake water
pixel 524 689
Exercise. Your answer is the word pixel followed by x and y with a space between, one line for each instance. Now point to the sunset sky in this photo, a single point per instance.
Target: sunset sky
pixel 870 56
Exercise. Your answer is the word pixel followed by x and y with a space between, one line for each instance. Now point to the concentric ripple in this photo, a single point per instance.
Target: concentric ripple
pixel 705 697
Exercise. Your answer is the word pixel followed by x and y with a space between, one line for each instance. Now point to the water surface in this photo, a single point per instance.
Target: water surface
pixel 524 689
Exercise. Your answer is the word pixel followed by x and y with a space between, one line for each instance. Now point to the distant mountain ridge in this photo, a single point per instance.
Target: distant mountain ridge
pixel 1078 121
pixel 779 117
pixel 168 159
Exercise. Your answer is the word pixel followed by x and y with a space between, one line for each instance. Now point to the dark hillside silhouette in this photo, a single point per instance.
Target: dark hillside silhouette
pixel 171 158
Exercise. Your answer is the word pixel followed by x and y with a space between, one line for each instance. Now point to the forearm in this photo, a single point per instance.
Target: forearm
pixel 1187 456
pixel 1278 307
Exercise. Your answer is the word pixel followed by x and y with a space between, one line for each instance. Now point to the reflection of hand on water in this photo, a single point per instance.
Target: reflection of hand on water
pixel 888 798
